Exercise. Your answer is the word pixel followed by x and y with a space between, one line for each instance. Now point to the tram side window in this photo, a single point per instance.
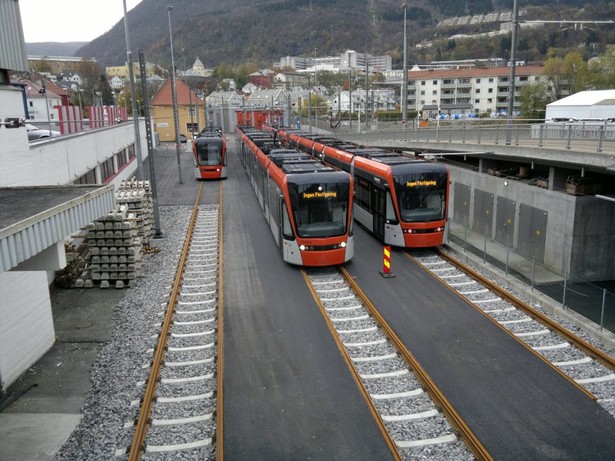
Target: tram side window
pixel 262 183
pixel 364 193
pixel 390 211
pixel 274 194
pixel 288 230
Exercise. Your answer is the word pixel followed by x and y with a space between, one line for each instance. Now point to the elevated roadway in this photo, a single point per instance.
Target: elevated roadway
pixel 565 145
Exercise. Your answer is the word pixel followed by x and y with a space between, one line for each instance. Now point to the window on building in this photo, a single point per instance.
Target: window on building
pixel 435 82
pixel 422 92
pixel 423 82
pixel 477 101
pixel 106 170
pixel 434 92
pixel 490 80
pixel 478 80
pixel 88 178
pixel 490 90
pixel 477 91
pixel 121 159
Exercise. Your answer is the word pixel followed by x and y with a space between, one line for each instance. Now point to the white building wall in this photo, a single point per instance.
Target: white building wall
pixel 60 161
pixel 37 108
pixel 26 329
pixel 484 94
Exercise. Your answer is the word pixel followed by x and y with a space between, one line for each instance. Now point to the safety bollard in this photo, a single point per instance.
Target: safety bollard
pixel 386 263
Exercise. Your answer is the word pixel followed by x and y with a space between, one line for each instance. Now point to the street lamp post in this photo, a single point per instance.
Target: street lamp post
pixel 79 90
pixel 198 121
pixel 46 104
pixel 310 111
pixel 513 66
pixel 174 97
pixel 135 115
pixel 404 86
pixel 349 97
pixel 191 111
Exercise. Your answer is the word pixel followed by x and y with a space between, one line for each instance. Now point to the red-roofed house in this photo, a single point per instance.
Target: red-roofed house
pixel 190 119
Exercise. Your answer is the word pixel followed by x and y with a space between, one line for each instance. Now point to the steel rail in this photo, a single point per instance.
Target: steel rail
pixel 220 363
pixel 479 279
pixel 370 404
pixel 580 343
pixel 138 441
pixel 456 421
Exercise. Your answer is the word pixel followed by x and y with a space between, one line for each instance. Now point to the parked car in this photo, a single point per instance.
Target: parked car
pixel 183 139
pixel 35 133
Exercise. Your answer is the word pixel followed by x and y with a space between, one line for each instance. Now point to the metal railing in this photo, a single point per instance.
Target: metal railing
pixel 583 136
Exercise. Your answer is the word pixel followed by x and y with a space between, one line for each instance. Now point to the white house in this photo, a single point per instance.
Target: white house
pixel 249 88
pixel 40 106
pixel 224 99
pixel 585 105
pixel 267 98
pixel 116 83
pixel 378 100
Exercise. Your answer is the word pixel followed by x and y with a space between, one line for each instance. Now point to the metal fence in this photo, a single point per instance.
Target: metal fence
pixel 593 300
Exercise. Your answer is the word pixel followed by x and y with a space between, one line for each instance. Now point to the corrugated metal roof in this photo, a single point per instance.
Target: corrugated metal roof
pixel 12 44
pixel 34 218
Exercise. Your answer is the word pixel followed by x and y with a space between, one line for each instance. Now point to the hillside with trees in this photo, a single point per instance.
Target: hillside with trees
pixel 259 32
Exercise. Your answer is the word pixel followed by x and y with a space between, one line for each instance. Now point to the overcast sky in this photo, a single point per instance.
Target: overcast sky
pixel 70 20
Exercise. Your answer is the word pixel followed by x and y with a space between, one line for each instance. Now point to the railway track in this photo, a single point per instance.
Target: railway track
pixel 177 416
pixel 405 403
pixel 579 361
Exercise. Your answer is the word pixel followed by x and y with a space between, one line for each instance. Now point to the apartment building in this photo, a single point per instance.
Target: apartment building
pixel 467 91
pixel 338 63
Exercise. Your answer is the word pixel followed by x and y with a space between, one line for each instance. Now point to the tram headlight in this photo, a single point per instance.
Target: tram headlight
pixel 302 247
pixel 343 245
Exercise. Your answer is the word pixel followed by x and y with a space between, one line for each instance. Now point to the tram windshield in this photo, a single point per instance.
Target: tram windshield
pixel 421 196
pixel 320 210
pixel 210 152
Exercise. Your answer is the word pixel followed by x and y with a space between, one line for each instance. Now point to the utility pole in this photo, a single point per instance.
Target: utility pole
pixel 150 149
pixel 404 81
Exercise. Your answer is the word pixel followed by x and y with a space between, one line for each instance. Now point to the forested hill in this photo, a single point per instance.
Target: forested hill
pixel 262 31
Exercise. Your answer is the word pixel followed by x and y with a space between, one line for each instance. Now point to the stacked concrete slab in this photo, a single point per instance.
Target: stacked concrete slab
pixel 115 242
pixel 114 251
pixel 137 195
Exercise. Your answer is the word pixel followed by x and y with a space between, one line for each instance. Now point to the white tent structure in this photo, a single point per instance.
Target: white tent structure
pixel 585 105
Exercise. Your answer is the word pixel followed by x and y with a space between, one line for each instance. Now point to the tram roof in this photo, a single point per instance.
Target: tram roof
pixel 395 160
pixel 201 140
pixel 311 166
pixel 283 158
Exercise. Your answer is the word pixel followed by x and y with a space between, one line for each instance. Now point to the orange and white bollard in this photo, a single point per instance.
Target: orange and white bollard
pixel 386 263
